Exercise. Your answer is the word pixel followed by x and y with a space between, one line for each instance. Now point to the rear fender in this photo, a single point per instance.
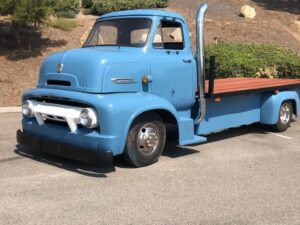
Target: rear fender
pixel 271 103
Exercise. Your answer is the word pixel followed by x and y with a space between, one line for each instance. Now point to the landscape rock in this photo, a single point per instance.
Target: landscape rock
pixel 267 72
pixel 247 12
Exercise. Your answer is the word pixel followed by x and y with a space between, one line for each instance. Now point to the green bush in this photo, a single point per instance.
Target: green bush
pixel 62 24
pixel 87 11
pixel 65 8
pixel 105 6
pixel 24 13
pixel 254 60
pixel 87 3
pixel 66 14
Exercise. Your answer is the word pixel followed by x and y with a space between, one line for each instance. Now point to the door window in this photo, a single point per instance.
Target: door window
pixel 169 35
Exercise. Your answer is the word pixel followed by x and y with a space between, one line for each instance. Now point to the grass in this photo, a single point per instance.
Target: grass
pixel 62 24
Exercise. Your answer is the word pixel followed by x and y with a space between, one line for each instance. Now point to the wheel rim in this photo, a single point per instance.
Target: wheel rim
pixel 285 113
pixel 148 138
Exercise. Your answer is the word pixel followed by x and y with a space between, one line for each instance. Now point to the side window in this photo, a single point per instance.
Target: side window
pixel 169 35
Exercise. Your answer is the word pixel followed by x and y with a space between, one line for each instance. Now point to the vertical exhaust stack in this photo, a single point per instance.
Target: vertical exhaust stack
pixel 201 60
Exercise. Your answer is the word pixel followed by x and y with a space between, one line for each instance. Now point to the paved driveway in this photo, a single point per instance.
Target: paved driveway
pixel 242 176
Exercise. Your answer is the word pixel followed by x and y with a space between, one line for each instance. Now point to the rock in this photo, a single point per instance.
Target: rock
pixel 219 40
pixel 267 72
pixel 247 12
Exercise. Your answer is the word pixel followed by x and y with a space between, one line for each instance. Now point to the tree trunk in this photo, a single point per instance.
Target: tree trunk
pixel 16 29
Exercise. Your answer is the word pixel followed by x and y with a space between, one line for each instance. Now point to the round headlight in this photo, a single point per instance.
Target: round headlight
pixel 88 118
pixel 27 109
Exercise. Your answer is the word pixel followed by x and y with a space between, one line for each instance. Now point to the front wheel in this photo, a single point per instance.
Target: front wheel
pixel 146 140
pixel 285 117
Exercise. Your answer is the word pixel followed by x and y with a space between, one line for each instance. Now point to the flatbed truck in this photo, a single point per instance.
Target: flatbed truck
pixel 136 73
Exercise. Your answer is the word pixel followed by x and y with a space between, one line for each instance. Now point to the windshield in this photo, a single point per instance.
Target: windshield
pixel 119 32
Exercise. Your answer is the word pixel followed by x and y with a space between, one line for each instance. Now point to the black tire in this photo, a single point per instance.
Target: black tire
pixel 285 120
pixel 147 127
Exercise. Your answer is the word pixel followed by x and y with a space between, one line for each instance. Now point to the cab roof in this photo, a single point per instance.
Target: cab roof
pixel 142 12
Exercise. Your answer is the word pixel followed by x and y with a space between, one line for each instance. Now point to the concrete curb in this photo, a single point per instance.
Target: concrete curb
pixel 10 110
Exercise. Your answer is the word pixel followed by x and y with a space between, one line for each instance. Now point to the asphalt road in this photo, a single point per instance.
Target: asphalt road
pixel 242 176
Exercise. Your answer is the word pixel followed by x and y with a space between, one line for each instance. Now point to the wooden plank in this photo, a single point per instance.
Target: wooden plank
pixel 233 85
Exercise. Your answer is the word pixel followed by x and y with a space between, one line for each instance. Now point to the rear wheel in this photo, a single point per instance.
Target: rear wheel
pixel 145 140
pixel 285 117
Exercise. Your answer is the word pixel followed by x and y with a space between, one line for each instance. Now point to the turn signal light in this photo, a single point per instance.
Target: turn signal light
pixel 145 79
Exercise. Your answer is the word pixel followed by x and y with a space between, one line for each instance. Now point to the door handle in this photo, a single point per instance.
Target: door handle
pixel 187 60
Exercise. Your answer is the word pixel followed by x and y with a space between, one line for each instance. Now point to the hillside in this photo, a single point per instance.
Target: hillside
pixel 278 22
pixel 275 22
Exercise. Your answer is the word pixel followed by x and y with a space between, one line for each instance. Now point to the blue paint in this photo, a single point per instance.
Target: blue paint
pixel 171 89
pixel 232 111
pixel 91 69
pixel 169 76
pixel 143 13
pixel 271 104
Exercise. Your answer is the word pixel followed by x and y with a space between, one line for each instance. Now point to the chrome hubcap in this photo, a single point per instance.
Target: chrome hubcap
pixel 148 138
pixel 285 113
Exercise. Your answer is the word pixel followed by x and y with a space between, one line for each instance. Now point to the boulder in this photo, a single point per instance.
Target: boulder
pixel 247 12
pixel 267 72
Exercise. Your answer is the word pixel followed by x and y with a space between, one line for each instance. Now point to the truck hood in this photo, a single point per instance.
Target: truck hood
pixel 94 70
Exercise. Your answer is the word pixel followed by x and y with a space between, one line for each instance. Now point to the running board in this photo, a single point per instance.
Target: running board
pixel 186 132
pixel 195 140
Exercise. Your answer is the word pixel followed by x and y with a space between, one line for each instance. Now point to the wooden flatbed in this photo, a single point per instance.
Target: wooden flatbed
pixel 234 86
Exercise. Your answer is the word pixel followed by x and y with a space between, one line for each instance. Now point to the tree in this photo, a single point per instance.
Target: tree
pixel 24 13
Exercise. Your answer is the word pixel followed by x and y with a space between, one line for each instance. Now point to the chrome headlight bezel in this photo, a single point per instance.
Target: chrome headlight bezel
pixel 27 109
pixel 88 118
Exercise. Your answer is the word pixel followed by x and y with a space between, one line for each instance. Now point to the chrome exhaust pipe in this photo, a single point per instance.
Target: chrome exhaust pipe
pixel 200 59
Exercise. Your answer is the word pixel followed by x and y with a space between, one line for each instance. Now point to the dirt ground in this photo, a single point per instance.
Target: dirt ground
pixel 276 22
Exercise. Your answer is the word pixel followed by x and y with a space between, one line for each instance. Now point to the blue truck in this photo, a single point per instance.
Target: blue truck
pixel 135 74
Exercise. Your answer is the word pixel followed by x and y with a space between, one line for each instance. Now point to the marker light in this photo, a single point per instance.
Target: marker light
pixel 145 79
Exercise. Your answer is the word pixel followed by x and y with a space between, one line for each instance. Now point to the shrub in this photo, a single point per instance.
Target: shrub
pixel 24 13
pixel 66 14
pixel 105 6
pixel 87 11
pixel 87 3
pixel 254 60
pixel 63 24
pixel 65 8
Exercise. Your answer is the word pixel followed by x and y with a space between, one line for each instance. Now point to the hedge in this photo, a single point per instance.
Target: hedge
pixel 100 7
pixel 65 8
pixel 254 60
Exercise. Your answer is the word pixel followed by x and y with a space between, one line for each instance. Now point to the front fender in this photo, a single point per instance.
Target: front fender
pixel 122 109
pixel 271 103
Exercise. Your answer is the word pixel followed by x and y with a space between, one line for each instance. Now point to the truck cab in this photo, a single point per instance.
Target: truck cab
pixel 135 73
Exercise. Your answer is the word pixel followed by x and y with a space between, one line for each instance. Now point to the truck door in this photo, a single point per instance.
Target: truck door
pixel 172 65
